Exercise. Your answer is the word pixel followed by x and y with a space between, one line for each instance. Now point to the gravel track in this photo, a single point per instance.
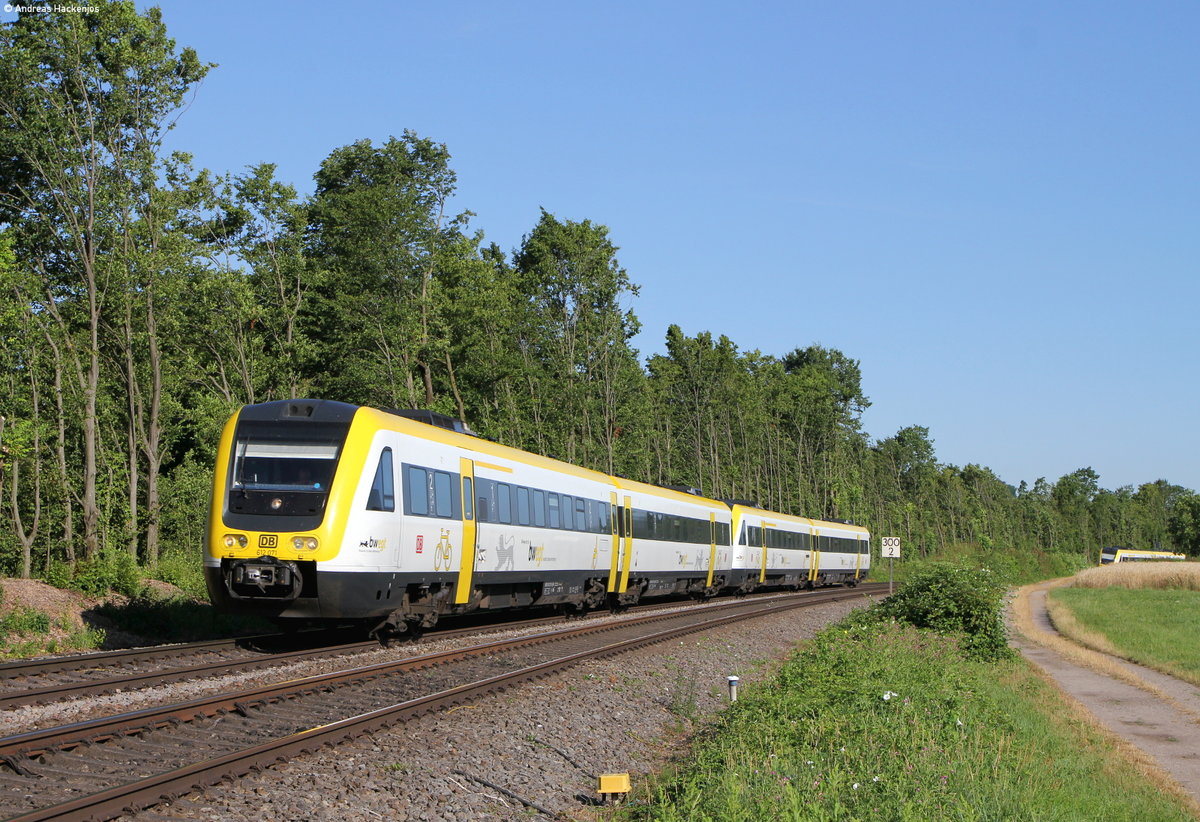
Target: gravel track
pixel 543 742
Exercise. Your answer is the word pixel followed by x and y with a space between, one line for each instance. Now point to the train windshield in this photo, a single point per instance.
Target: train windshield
pixel 273 465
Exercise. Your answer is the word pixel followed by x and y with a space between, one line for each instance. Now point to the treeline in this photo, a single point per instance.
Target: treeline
pixel 144 301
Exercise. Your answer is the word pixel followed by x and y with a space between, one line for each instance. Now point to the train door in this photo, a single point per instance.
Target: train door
pixel 627 547
pixel 762 574
pixel 614 522
pixel 712 547
pixel 814 564
pixel 466 571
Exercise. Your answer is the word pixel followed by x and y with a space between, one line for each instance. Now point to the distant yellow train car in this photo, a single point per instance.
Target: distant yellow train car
pixel 1117 554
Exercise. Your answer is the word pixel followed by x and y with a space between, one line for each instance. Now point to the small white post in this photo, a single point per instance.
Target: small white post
pixel 733 686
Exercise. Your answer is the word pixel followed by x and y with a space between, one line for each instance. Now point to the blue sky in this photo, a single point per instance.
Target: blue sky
pixel 992 206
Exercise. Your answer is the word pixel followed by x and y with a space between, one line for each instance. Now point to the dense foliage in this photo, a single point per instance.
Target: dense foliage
pixel 143 301
pixel 954 601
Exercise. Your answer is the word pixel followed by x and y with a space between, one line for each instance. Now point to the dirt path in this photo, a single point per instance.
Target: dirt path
pixel 1160 715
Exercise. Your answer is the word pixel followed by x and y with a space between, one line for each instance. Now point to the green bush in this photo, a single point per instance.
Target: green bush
pixel 58 574
pixel 950 599
pixel 111 570
pixel 183 570
pixel 24 621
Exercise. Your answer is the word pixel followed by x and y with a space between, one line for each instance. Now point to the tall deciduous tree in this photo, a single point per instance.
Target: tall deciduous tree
pixel 379 228
pixel 574 338
pixel 84 100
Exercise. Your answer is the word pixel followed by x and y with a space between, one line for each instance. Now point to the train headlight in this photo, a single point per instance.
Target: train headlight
pixel 304 543
pixel 238 540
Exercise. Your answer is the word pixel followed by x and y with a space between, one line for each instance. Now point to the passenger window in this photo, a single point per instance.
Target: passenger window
pixel 522 506
pixel 568 512
pixel 504 501
pixel 580 515
pixel 539 508
pixel 383 488
pixel 443 494
pixel 417 490
pixel 554 517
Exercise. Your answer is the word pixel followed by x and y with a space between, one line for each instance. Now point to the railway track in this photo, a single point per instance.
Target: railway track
pixel 48 680
pixel 84 770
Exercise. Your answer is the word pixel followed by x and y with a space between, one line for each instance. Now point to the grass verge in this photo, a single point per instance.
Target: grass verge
pixel 1156 623
pixel 888 722
pixel 27 632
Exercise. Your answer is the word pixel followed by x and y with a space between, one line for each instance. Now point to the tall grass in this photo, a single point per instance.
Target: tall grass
pixel 1183 576
pixel 886 722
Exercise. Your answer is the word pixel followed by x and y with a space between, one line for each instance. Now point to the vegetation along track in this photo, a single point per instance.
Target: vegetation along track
pixel 66 773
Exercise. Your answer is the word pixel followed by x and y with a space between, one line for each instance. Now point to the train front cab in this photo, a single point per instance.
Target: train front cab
pixel 284 470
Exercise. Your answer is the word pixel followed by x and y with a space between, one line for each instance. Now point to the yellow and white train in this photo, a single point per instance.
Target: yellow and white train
pixel 1118 554
pixel 328 512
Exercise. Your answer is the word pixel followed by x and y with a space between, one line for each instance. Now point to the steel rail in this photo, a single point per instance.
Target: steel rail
pixel 32 744
pixel 93 687
pixel 110 803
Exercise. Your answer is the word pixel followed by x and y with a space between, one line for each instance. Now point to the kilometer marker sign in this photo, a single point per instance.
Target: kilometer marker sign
pixel 889 549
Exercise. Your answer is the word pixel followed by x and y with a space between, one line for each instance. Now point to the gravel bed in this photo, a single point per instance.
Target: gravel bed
pixel 544 742
pixel 35 717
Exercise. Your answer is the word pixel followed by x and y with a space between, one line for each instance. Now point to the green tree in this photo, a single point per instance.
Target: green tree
pixel 573 335
pixel 1184 523
pixel 84 101
pixel 379 229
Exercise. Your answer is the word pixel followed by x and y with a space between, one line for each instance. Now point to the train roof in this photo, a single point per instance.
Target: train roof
pixel 815 523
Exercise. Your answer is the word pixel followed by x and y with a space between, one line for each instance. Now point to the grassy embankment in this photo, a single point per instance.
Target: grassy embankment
pixel 1148 613
pixel 880 719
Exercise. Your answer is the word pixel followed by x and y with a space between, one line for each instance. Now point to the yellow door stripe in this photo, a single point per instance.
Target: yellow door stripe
pixel 814 557
pixel 616 543
pixel 465 571
pixel 712 547
pixel 628 546
pixel 762 575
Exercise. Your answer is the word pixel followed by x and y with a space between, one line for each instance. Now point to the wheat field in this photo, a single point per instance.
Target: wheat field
pixel 1135 575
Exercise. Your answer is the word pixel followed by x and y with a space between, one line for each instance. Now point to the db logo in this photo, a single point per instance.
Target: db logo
pixel 268 541
pixel 420 544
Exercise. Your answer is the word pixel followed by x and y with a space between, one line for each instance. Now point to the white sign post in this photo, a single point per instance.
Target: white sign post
pixel 890 547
